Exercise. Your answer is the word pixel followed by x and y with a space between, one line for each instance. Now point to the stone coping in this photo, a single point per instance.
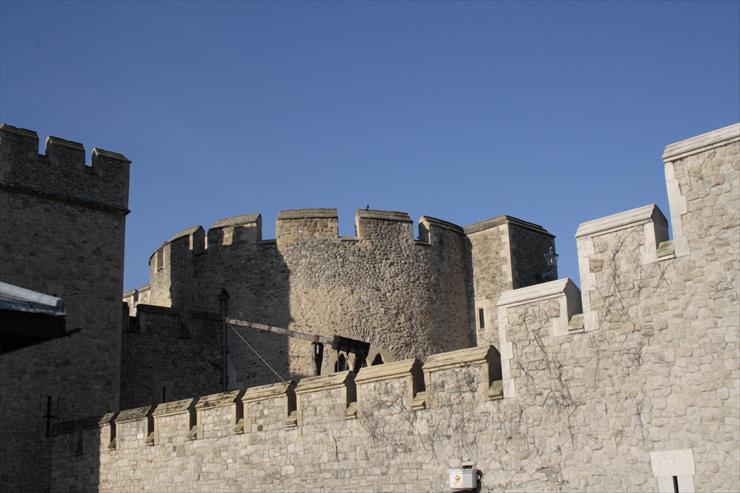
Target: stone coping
pixel 307 214
pixel 23 132
pixel 499 220
pixel 174 407
pixel 132 292
pixel 439 223
pixel 97 151
pixel 620 220
pixel 221 399
pixel 134 414
pixel 535 292
pixel 58 141
pixel 268 391
pixel 702 142
pixel 165 310
pixel 461 357
pixel 383 215
pixel 324 382
pixel 386 371
pixel 106 419
pixel 237 220
pixel 184 233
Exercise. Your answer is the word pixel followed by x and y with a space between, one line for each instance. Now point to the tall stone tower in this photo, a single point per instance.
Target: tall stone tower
pixel 62 229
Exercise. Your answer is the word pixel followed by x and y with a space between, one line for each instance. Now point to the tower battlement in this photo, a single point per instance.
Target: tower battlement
pixel 60 172
pixel 409 296
pixel 301 226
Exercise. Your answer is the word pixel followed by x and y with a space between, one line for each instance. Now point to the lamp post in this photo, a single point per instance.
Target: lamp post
pixel 223 299
pixel 551 260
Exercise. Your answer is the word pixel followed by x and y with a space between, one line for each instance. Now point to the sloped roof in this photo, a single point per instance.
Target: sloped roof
pixel 28 317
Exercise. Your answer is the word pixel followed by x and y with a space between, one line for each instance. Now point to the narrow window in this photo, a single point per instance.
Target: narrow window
pixel 160 259
pixel 481 318
pixel 341 364
pixel 675 484
pixel 378 360
pixel 164 393
pixel 49 414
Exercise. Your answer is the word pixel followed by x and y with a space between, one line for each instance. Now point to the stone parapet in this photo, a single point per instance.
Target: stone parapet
pixel 269 407
pixel 218 414
pixel 134 428
pixel 174 421
pixel 687 158
pixel 619 243
pixel 60 173
pixel 325 398
pixel 402 379
pixel 565 299
pixel 702 143
pixel 460 376
pixel 454 379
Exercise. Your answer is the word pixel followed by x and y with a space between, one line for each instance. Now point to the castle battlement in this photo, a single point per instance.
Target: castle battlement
pixel 628 383
pixel 60 172
pixel 403 386
pixel 299 226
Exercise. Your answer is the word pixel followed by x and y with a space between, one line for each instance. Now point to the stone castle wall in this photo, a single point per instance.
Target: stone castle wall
pixel 61 232
pixel 409 297
pixel 632 384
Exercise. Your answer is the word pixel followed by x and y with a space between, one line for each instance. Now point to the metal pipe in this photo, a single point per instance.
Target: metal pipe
pixel 223 299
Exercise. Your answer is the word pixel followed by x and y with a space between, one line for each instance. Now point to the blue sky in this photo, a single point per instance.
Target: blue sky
pixel 556 113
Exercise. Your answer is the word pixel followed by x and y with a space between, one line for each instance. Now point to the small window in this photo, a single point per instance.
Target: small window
pixel 481 318
pixel 378 360
pixel 160 259
pixel 675 484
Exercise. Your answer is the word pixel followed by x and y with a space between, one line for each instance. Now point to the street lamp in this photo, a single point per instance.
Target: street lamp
pixel 551 258
pixel 551 261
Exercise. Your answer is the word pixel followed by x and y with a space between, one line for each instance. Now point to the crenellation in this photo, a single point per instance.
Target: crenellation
pixel 173 421
pixel 19 143
pixel 237 230
pixel 134 428
pixel 378 227
pixel 555 306
pixel 268 407
pixel 459 376
pixel 617 241
pixel 60 174
pixel 325 398
pixel 628 385
pixel 218 414
pixel 62 152
pixel 390 387
pixel 301 225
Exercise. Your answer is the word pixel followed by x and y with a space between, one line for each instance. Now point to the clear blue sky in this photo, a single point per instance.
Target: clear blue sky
pixel 553 112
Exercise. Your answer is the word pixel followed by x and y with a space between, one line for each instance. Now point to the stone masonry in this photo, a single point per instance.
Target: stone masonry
pixel 61 232
pixel 631 383
pixel 408 297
